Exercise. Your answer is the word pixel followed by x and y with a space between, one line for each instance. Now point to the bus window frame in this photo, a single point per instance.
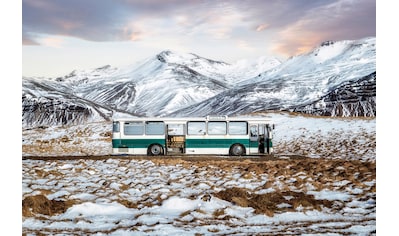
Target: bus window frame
pixel 146 123
pixel 236 122
pixel 116 127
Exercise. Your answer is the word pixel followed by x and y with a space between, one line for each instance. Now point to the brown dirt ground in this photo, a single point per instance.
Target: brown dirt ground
pixel 39 204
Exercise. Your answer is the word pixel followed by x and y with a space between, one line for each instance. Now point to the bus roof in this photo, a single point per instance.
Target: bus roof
pixel 185 119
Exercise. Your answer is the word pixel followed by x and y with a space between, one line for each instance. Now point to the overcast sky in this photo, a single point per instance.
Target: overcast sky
pixel 59 36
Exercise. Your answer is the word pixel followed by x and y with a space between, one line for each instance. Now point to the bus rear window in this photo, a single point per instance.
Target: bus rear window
pixel 115 127
pixel 134 128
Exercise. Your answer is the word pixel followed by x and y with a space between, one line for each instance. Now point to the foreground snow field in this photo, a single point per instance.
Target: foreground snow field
pixel 166 196
pixel 322 180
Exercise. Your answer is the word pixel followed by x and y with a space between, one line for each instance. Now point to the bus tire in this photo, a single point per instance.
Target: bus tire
pixel 237 150
pixel 155 150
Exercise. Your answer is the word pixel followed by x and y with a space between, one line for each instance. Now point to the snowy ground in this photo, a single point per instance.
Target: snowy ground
pixel 343 138
pixel 183 197
pixel 322 181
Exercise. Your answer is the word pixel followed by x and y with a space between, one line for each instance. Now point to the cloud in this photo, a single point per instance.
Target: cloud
pixel 90 19
pixel 54 42
pixel 28 39
pixel 340 20
pixel 277 14
pixel 261 27
pixel 294 26
pixel 93 20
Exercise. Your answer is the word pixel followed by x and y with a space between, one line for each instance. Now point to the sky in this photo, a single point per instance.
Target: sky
pixel 61 36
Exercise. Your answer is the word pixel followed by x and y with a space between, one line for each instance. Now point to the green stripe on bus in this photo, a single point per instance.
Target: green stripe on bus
pixel 214 143
pixel 190 143
pixel 253 143
pixel 136 143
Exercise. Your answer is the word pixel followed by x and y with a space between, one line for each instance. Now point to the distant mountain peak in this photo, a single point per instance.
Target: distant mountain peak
pixel 327 43
pixel 168 56
pixel 106 67
pixel 163 56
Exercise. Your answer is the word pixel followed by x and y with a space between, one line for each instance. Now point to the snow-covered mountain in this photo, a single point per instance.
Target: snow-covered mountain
pixel 159 85
pixel 176 84
pixel 299 81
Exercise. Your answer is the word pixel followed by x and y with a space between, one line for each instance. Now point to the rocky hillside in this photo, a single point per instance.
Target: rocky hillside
pixel 353 98
pixel 334 79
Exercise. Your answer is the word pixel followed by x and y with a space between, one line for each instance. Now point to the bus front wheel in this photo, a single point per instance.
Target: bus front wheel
pixel 155 150
pixel 237 150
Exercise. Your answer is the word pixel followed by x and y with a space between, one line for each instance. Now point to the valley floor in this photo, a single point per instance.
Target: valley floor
pixel 326 137
pixel 321 180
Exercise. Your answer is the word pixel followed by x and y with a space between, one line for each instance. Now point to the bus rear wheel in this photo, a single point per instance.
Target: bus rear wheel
pixel 155 150
pixel 237 150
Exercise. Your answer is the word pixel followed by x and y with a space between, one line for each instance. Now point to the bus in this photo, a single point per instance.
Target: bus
pixel 218 135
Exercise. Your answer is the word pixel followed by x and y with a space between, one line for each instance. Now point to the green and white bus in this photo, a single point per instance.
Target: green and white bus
pixel 219 135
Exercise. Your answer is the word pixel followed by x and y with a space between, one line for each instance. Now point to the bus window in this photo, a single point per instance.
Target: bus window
pixel 196 128
pixel 261 129
pixel 134 128
pixel 238 127
pixel 154 128
pixel 217 127
pixel 115 127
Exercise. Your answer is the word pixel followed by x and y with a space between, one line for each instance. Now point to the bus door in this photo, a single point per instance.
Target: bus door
pixel 257 138
pixel 262 137
pixel 253 138
pixel 268 139
pixel 175 138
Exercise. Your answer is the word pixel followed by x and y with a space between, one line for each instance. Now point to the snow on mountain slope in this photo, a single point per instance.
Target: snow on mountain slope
pixel 230 74
pixel 45 103
pixel 156 86
pixel 188 85
pixel 300 80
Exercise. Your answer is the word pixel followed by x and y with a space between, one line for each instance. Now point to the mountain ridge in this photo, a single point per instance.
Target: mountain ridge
pixel 172 84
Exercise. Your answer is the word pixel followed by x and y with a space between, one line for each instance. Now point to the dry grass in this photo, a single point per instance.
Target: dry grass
pixel 128 203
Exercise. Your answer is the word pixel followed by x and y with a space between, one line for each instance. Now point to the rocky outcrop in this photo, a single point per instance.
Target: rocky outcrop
pixel 352 99
pixel 51 111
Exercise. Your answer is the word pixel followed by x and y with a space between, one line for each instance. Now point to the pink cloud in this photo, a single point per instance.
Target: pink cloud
pixel 261 27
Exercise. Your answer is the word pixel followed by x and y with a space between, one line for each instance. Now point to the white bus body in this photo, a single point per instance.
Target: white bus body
pixel 210 135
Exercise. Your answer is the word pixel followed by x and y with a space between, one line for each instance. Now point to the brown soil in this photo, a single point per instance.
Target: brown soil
pixel 268 203
pixel 39 204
